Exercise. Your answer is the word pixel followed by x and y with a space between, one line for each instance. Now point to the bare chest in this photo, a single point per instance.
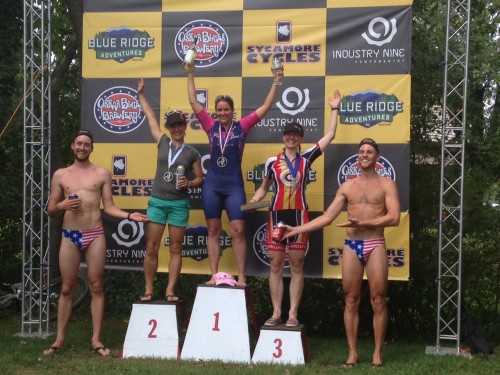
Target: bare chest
pixel 81 182
pixel 366 193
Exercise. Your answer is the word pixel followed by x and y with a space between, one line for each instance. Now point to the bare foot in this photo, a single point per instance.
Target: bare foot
pixel 377 360
pixel 241 283
pixel 352 358
pixel 211 281
pixel 147 297
pixel 102 351
pixel 51 350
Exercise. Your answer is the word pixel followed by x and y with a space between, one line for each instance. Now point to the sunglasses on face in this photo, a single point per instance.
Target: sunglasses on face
pixel 222 97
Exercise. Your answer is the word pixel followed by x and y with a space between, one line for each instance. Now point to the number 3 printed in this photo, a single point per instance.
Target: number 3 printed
pixel 279 352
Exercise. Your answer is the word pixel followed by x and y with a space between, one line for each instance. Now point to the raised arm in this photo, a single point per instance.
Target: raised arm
pixel 268 103
pixel 191 89
pixel 154 127
pixel 334 102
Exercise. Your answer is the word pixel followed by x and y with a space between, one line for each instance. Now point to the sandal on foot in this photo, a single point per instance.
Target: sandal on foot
pixel 51 350
pixel 347 365
pixel 102 351
pixel 148 297
pixel 172 298
pixel 292 323
pixel 271 322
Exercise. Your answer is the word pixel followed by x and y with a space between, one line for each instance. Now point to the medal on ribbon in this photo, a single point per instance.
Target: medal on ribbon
pixel 222 160
pixel 293 169
pixel 172 159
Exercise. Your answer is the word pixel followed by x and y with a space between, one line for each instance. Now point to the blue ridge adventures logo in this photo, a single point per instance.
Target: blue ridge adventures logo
pixel 195 241
pixel 121 44
pixel 369 108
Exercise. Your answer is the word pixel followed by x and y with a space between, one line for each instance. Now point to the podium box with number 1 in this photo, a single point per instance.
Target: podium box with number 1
pixel 218 327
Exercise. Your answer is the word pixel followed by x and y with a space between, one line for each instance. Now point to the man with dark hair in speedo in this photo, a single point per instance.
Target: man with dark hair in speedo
pixel 372 204
pixel 77 191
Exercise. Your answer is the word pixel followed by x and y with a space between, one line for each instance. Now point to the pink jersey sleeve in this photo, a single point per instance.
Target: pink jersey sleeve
pixel 205 120
pixel 248 122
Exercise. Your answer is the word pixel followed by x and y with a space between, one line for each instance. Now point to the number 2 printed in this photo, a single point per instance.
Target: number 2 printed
pixel 153 323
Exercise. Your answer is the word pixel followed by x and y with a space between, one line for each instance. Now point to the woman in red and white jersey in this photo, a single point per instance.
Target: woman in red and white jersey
pixel 288 172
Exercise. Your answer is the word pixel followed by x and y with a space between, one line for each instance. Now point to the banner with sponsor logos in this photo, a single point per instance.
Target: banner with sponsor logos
pixel 363 49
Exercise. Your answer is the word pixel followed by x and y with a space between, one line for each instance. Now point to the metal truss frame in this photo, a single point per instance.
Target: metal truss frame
pixel 37 104
pixel 453 137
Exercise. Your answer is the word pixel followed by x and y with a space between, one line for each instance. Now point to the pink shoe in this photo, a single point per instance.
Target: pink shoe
pixel 292 323
pixel 271 322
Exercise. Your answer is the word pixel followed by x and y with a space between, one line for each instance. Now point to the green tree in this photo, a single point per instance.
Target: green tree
pixel 11 140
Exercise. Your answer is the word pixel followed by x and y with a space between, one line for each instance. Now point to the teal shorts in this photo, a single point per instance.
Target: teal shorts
pixel 174 212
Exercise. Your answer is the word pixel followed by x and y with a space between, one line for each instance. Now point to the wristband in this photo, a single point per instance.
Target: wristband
pixel 190 184
pixel 278 83
pixel 334 108
pixel 128 216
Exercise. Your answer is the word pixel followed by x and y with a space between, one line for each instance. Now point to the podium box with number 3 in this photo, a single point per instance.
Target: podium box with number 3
pixel 218 327
pixel 283 345
pixel 153 330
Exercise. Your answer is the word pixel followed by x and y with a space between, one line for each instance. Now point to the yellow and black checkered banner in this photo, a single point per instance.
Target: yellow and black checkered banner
pixel 363 49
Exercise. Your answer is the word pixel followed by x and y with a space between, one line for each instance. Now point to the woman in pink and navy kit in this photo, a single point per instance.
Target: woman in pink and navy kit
pixel 223 187
pixel 288 172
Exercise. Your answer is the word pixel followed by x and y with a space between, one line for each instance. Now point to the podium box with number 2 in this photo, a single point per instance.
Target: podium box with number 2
pixel 218 327
pixel 152 331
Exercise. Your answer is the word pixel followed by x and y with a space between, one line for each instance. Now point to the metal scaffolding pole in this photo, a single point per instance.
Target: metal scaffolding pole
pixel 453 137
pixel 36 71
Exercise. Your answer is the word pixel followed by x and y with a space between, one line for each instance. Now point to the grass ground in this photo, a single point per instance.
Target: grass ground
pixel 21 355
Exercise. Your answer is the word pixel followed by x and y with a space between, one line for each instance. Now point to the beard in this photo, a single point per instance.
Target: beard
pixel 82 158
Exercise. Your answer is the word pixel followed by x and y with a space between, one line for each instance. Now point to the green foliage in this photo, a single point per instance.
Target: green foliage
pixel 11 142
pixel 10 250
pixel 417 299
pixel 481 294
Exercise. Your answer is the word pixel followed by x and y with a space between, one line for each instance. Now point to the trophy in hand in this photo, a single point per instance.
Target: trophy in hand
pixel 190 55
pixel 276 64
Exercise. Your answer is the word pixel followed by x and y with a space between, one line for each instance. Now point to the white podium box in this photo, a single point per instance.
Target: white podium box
pixel 281 344
pixel 152 331
pixel 218 327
